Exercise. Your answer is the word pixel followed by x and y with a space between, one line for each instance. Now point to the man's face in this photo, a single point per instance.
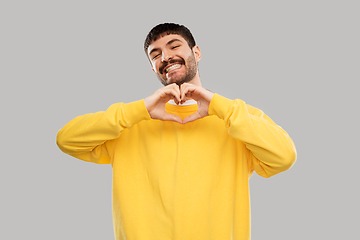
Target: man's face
pixel 172 59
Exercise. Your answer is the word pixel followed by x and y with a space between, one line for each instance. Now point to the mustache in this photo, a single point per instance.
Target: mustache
pixel 172 61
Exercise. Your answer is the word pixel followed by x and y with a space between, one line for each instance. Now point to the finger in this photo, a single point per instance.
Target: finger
pixel 174 93
pixel 172 117
pixel 186 92
pixel 182 92
pixel 177 91
pixel 175 87
pixel 168 94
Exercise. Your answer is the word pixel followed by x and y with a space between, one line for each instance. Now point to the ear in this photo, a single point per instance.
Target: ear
pixel 197 53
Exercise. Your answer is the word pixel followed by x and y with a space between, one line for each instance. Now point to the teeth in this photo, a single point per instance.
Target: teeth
pixel 173 67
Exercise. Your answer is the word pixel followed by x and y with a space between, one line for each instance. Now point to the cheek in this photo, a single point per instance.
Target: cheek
pixel 155 67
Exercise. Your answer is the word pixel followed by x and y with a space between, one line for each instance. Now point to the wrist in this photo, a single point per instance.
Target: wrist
pixel 219 106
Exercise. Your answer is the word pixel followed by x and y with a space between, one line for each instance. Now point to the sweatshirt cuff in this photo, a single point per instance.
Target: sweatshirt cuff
pixel 220 106
pixel 135 112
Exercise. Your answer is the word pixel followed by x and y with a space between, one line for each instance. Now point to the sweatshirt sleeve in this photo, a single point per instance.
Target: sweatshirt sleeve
pixel 85 137
pixel 271 149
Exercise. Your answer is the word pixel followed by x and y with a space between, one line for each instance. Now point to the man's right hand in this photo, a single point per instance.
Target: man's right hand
pixel 155 103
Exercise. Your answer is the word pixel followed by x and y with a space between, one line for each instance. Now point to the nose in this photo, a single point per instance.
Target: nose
pixel 166 56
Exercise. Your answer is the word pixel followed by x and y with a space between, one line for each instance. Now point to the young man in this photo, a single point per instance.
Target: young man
pixel 181 167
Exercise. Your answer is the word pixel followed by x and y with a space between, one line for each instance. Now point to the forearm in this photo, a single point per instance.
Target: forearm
pixel 272 149
pixel 84 136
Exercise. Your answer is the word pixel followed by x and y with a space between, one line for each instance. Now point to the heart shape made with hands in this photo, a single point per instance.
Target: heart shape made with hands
pixel 155 103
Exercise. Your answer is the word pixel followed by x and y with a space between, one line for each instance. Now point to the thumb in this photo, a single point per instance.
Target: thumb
pixel 192 117
pixel 172 117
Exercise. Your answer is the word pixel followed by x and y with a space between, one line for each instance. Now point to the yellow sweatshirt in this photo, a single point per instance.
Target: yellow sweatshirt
pixel 176 181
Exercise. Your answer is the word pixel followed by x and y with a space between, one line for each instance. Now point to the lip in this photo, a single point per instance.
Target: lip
pixel 170 65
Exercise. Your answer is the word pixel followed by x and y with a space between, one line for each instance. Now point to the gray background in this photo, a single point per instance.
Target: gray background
pixel 298 61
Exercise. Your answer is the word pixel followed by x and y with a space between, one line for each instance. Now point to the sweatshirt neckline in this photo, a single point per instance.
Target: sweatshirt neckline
pixel 181 108
pixel 187 103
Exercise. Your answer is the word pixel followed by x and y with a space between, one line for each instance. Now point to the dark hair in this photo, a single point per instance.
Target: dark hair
pixel 167 29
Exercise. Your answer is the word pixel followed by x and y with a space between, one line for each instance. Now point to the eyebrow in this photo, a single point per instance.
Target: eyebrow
pixel 167 44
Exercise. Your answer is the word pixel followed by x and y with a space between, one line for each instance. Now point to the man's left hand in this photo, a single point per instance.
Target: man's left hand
pixel 199 94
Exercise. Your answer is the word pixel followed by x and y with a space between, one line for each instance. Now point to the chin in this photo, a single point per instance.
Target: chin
pixel 177 81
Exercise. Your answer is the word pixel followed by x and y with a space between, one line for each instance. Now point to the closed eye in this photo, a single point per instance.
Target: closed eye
pixel 156 56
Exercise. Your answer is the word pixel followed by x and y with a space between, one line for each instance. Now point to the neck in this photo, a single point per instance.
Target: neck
pixel 196 80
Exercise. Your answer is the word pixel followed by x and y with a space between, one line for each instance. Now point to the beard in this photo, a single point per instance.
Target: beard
pixel 190 71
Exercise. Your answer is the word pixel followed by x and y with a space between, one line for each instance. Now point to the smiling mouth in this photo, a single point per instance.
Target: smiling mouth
pixel 172 67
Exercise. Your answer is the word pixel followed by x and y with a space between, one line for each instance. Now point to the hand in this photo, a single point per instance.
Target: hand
pixel 199 94
pixel 155 103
